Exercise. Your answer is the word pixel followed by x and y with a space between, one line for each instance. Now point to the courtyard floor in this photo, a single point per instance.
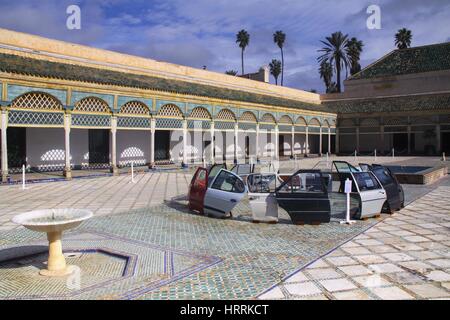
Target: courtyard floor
pixel 143 244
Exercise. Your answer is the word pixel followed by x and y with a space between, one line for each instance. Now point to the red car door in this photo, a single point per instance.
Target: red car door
pixel 197 190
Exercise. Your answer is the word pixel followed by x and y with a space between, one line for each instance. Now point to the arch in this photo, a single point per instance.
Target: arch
pixel 135 108
pixel 369 122
pixel 333 123
pixel 170 110
pixel 314 122
pixel 248 116
pixel 346 122
pixel 37 100
pixel 226 114
pixel 301 121
pixel 267 117
pixel 200 113
pixel 286 120
pixel 92 105
pixel 326 123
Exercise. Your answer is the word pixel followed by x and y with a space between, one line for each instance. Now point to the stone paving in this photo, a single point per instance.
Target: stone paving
pixel 176 254
pixel 405 256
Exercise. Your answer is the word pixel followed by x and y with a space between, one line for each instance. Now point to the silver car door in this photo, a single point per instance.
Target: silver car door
pixel 261 195
pixel 371 193
pixel 225 192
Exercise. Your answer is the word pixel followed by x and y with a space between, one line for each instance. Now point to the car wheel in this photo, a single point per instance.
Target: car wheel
pixel 387 208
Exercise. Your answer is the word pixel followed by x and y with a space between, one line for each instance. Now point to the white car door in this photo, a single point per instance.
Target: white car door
pixel 224 193
pixel 371 192
pixel 262 198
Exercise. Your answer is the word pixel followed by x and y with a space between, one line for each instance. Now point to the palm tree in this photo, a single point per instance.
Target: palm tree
pixel 231 72
pixel 326 73
pixel 334 52
pixel 275 69
pixel 243 39
pixel 403 38
pixel 279 38
pixel 354 49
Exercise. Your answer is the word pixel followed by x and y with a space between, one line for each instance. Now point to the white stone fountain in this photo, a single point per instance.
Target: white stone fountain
pixel 54 222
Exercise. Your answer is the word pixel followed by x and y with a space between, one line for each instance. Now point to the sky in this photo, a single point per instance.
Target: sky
pixel 201 33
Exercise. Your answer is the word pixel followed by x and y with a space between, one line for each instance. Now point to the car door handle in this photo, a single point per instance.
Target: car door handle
pixel 233 200
pixel 381 192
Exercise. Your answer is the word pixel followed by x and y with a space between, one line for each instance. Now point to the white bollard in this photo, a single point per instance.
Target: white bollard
pixel 375 154
pixel 443 156
pixel 348 190
pixel 355 156
pixel 393 153
pixel 23 177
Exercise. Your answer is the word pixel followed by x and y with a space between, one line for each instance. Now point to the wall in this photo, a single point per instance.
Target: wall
pixel 45 148
pixel 133 146
pixel 79 147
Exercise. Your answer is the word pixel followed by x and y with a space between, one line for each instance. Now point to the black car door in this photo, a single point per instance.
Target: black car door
pixel 305 197
pixel 390 185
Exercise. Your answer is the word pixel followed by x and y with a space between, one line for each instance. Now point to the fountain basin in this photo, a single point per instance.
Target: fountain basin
pixel 54 222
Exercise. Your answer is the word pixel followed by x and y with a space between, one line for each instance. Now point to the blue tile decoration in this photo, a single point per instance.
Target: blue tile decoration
pixel 15 91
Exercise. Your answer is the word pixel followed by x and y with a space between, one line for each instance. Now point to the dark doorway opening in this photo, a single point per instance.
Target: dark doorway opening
pixel 281 146
pixel 17 147
pixel 400 142
pixel 247 147
pixel 324 143
pixel 445 141
pixel 162 145
pixel 98 146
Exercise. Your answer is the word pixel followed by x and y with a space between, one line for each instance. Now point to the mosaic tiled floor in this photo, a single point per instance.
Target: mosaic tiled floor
pixel 179 255
pixel 405 256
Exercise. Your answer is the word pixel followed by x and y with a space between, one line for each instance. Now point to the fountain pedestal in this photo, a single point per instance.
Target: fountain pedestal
pixel 54 222
pixel 56 264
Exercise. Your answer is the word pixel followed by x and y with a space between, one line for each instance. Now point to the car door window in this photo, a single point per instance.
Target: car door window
pixel 344 167
pixel 366 181
pixel 384 176
pixel 262 183
pixel 303 182
pixel 241 169
pixel 228 182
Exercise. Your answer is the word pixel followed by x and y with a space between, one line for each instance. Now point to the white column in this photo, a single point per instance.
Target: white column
pixel 257 142
pixel 114 169
pixel 307 140
pixel 236 142
pixel 67 123
pixel 320 141
pixel 4 121
pixel 277 142
pixel 292 141
pixel 212 143
pixel 152 142
pixel 184 122
pixel 329 140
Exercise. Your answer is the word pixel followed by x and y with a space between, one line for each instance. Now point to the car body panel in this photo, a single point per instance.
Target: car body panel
pixel 261 195
pixel 197 189
pixel 394 191
pixel 225 192
pixel 371 192
pixel 365 185
pixel 305 197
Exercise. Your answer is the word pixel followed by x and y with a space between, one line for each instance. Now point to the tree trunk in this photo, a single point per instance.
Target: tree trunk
pixel 282 66
pixel 338 74
pixel 242 60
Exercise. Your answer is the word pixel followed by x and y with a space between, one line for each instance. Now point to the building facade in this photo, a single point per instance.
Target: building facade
pixel 68 107
pixel 400 104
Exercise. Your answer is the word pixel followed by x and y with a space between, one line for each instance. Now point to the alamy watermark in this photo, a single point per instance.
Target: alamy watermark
pixel 374 20
pixel 73 21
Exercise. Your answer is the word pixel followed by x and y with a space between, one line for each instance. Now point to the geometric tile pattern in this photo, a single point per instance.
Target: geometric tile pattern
pixel 247 126
pixel 16 117
pixel 200 113
pixel 133 122
pixel 37 100
pixel 169 123
pixel 405 256
pixel 198 124
pixel 91 120
pixel 221 125
pixel 225 114
pixel 248 116
pixel 92 104
pixel 134 107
